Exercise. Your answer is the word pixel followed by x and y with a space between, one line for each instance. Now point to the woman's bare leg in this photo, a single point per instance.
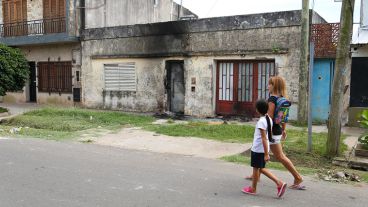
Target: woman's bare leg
pixel 280 156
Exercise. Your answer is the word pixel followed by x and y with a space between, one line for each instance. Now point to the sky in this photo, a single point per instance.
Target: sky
pixel 328 9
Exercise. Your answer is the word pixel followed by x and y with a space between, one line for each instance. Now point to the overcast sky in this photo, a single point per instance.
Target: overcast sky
pixel 328 9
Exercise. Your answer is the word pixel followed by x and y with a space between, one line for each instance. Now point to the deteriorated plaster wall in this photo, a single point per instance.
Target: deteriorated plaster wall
pixel 200 44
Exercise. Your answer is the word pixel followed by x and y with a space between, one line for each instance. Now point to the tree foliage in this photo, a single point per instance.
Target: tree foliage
pixel 14 69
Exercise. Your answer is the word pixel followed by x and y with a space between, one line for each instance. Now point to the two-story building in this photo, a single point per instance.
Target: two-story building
pixel 47 31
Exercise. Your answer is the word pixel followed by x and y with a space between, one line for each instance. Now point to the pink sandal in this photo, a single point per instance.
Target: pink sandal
pixel 281 190
pixel 248 190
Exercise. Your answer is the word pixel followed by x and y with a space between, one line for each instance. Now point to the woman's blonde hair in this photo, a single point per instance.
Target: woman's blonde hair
pixel 279 85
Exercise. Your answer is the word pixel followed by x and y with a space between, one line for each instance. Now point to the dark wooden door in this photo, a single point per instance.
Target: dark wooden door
pixel 240 84
pixel 359 83
pixel 32 82
pixel 175 86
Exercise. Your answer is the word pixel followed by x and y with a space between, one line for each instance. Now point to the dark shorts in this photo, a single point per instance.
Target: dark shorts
pixel 257 160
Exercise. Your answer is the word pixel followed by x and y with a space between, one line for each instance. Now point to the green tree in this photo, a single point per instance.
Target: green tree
pixel 14 69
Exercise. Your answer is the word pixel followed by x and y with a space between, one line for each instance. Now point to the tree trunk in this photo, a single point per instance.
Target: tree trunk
pixel 303 69
pixel 342 68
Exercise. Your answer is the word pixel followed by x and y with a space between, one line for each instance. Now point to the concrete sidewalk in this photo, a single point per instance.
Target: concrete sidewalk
pixel 137 139
pixel 18 108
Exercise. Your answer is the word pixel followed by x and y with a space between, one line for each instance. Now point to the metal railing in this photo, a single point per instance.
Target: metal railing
pixel 35 27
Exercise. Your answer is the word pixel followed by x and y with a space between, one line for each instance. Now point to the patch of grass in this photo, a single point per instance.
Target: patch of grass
pixel 364 176
pixel 3 110
pixel 224 132
pixel 298 123
pixel 36 133
pixel 62 123
pixel 307 163
pixel 170 121
pixel 241 159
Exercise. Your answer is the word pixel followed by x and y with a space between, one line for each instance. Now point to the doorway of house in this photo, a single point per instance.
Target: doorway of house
pixel 240 83
pixel 321 89
pixel 359 84
pixel 32 82
pixel 175 86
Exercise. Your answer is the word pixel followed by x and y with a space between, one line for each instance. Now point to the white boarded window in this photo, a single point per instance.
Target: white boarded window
pixel 120 77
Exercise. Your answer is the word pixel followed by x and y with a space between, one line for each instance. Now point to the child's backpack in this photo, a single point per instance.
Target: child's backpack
pixel 281 114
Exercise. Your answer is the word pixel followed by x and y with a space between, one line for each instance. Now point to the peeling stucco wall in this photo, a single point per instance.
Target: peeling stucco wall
pixel 74 17
pixel 110 13
pixel 149 75
pixel 54 52
pixel 200 44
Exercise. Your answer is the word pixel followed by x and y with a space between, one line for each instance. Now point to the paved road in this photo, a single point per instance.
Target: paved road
pixel 38 173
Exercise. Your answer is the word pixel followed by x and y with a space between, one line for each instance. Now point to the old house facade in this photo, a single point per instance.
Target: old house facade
pixel 201 68
pixel 48 32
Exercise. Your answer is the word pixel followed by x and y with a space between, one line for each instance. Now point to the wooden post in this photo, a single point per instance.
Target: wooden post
pixel 303 69
pixel 342 68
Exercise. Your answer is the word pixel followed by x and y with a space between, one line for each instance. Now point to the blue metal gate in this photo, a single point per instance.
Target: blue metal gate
pixel 321 88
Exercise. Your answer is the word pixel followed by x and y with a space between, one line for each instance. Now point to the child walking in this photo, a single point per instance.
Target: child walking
pixel 260 151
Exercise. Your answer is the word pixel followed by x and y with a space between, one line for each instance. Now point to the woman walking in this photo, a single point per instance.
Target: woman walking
pixel 277 89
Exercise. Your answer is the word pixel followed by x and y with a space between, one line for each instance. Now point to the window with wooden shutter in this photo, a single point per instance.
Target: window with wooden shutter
pixel 55 77
pixel 15 17
pixel 54 12
pixel 54 9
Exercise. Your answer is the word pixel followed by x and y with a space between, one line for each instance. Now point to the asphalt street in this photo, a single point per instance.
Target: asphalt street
pixel 39 173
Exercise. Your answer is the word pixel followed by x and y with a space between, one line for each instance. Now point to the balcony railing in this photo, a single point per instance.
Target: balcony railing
pixel 325 38
pixel 35 27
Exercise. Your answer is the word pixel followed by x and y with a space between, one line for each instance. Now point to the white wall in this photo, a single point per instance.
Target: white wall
pixel 364 14
pixel 360 51
pixel 109 13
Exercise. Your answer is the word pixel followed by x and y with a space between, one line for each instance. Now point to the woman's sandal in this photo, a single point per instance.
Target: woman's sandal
pixel 298 187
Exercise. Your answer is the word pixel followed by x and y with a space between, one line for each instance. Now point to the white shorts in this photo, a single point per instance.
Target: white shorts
pixel 277 139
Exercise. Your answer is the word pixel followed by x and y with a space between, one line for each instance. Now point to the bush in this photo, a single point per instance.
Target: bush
pixel 14 69
pixel 3 110
pixel 363 139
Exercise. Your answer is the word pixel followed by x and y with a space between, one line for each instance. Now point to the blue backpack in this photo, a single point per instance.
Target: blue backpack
pixel 282 108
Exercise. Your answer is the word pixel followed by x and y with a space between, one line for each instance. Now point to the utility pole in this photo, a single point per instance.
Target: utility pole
pixel 303 69
pixel 180 8
pixel 342 69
